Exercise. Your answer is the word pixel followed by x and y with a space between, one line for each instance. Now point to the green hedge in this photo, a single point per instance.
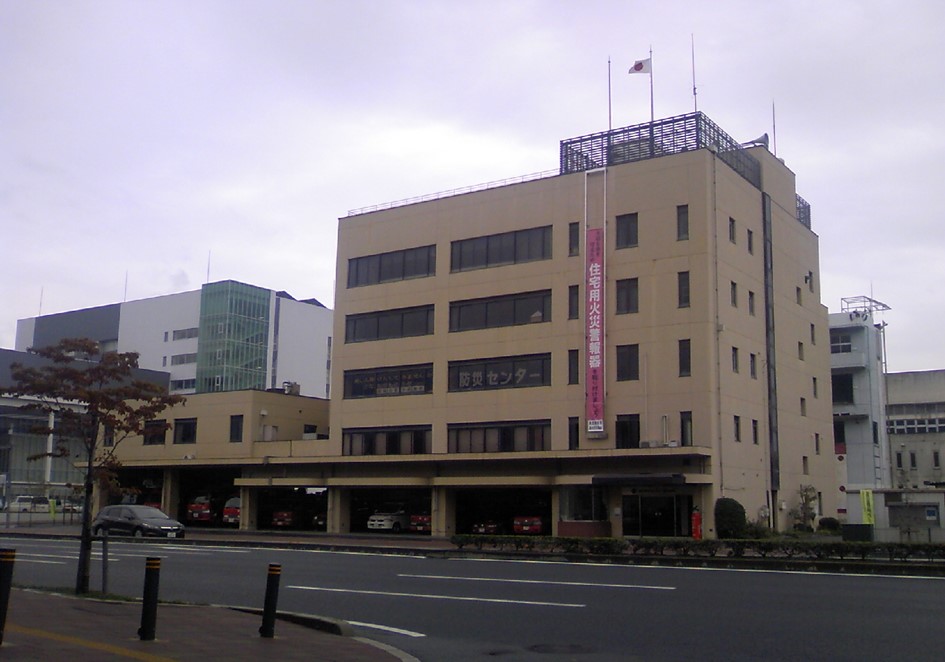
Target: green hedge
pixel 787 547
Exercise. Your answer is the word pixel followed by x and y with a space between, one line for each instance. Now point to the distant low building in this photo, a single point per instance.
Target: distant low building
pixel 225 336
pixel 915 421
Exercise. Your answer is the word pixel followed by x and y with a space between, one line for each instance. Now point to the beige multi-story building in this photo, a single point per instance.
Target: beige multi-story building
pixel 608 347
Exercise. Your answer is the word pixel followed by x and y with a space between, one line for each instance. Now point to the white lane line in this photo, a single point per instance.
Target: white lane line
pixel 40 561
pixel 439 597
pixel 540 581
pixel 387 628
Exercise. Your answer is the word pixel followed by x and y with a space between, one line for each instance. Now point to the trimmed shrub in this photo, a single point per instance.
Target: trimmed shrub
pixel 730 521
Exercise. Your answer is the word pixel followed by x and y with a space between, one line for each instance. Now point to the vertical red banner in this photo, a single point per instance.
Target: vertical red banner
pixel 594 330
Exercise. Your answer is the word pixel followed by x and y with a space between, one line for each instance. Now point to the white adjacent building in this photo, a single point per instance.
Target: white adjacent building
pixel 226 336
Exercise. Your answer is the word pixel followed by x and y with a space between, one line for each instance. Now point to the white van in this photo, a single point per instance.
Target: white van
pixel 30 504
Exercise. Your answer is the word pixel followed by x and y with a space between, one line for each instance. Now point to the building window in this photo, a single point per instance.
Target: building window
pixel 494 312
pixel 185 430
pixel 805 465
pixel 627 230
pixel 803 406
pixel 682 289
pixel 387 324
pixel 899 460
pixel 628 296
pixel 753 366
pixel 754 431
pixel 737 427
pixel 498 373
pixel 842 388
pixel 685 358
pixel 798 296
pixel 393 266
pixel 504 437
pixel 183 359
pixel 731 230
pixel 685 428
pixel 816 443
pixel 155 432
pixel 574 432
pixel 628 431
pixel 501 249
pixel 733 293
pixel 182 334
pixel 734 359
pixel 813 386
pixel 574 366
pixel 387 441
pixel 164 362
pixel 935 460
pixel 388 381
pixel 628 363
pixel 183 384
pixel 574 302
pixel 912 460
pixel 800 350
pixel 682 222
pixel 236 428
pixel 813 334
pixel 840 342
pixel 574 238
pixel 751 242
pixel 751 303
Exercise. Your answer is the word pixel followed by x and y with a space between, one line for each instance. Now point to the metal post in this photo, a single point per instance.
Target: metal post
pixel 7 557
pixel 152 578
pixel 105 562
pixel 267 629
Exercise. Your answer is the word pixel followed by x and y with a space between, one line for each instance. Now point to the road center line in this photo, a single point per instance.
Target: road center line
pixel 540 581
pixel 439 597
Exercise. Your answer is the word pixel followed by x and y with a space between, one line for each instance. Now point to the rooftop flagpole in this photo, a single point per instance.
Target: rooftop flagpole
pixel 695 102
pixel 610 106
pixel 652 115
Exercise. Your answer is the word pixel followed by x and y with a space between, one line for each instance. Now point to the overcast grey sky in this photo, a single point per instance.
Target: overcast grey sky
pixel 137 138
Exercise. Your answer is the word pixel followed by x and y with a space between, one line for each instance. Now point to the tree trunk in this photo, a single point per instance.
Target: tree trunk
pixel 85 541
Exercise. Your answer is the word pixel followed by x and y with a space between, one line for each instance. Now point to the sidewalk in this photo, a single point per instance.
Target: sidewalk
pixel 45 626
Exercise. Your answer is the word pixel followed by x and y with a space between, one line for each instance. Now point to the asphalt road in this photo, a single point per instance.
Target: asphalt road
pixel 466 609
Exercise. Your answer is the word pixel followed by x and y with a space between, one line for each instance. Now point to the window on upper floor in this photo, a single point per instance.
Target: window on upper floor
pixel 574 238
pixel 733 294
pixel 498 373
pixel 574 302
pixel 501 249
pixel 493 312
pixel 750 240
pixel 841 342
pixel 627 431
pixel 731 230
pixel 388 381
pixel 392 266
pixel 628 296
pixel 574 366
pixel 682 289
pixel 842 384
pixel 185 430
pixel 685 358
pixel 236 428
pixel 155 432
pixel 499 437
pixel 388 324
pixel 627 230
pixel 628 363
pixel 682 222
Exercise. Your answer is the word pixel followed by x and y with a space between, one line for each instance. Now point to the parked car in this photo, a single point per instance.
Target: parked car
pixel 420 523
pixel 528 524
pixel 389 517
pixel 488 527
pixel 30 504
pixel 283 519
pixel 138 521
pixel 231 511
pixel 201 510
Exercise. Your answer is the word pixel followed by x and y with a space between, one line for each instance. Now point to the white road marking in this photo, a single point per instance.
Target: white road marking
pixel 540 581
pixel 387 628
pixel 40 561
pixel 439 597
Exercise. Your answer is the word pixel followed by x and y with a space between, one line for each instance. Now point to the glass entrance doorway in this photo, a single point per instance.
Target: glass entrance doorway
pixel 656 515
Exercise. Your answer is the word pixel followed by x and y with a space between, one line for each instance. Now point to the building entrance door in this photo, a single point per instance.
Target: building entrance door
pixel 656 515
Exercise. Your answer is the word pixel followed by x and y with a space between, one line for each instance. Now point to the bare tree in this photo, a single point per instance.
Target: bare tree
pixel 93 396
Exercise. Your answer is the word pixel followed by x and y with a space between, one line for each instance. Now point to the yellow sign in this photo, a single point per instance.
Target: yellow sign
pixel 866 501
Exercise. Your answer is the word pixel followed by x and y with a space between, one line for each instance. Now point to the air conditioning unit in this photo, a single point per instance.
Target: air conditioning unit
pixel 672 443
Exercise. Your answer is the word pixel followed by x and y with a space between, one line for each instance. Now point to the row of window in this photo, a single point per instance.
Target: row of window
pixel 916 426
pixel 914 461
pixel 184 431
pixel 181 334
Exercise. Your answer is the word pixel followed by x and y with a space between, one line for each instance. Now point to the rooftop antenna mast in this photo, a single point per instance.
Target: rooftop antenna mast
pixel 695 101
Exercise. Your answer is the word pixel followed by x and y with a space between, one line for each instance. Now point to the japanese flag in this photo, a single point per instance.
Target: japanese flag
pixel 640 67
